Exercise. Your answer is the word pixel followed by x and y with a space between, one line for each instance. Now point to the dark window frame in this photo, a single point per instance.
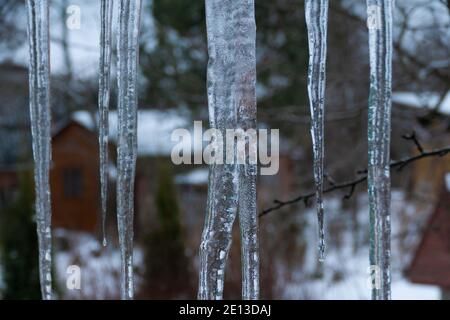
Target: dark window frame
pixel 73 183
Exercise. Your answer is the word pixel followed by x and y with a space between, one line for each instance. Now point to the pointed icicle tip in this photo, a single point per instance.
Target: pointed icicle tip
pixel 321 256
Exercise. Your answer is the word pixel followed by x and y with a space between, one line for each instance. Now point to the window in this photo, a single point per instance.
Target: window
pixel 73 183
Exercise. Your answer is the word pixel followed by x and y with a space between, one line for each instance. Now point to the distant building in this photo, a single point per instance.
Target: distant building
pixel 432 111
pixel 431 262
pixel 74 175
pixel 74 178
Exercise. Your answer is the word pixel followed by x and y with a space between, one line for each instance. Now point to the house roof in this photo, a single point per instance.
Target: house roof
pixel 194 177
pixel 431 261
pixel 154 129
pixel 425 100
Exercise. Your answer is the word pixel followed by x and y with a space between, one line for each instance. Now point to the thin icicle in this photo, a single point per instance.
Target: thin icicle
pixel 231 101
pixel 103 103
pixel 248 219
pixel 128 53
pixel 380 14
pixel 39 82
pixel 316 12
pixel 245 62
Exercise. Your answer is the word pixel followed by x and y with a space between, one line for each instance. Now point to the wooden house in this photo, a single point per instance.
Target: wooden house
pixel 431 261
pixel 74 178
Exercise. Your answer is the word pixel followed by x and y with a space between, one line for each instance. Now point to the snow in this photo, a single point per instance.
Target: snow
pixel 100 267
pixel 194 177
pixel 351 265
pixel 426 100
pixel 447 181
pixel 403 290
pixel 154 129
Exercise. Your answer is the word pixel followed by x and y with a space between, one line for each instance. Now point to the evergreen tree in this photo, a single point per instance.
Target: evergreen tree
pixel 167 266
pixel 19 245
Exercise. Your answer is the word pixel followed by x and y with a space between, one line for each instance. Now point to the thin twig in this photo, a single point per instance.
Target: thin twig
pixel 414 139
pixel 351 185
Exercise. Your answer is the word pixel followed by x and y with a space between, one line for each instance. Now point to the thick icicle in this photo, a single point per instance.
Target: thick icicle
pixel 316 13
pixel 39 82
pixel 231 100
pixel 380 14
pixel 128 53
pixel 103 103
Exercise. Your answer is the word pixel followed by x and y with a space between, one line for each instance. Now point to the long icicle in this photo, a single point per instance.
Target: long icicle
pixel 380 14
pixel 128 52
pixel 316 13
pixel 40 117
pixel 231 80
pixel 103 103
pixel 246 100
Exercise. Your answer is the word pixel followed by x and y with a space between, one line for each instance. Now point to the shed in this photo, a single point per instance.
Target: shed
pixel 431 261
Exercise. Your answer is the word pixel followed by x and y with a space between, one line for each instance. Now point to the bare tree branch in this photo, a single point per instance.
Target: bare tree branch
pixel 351 185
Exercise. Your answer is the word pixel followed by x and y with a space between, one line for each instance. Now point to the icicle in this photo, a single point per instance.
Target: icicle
pixel 39 82
pixel 128 52
pixel 380 14
pixel 231 99
pixel 245 63
pixel 103 103
pixel 248 218
pixel 316 12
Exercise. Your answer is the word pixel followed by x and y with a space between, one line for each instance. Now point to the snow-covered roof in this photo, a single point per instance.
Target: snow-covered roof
pixel 428 100
pixel 447 181
pixel 194 177
pixel 154 129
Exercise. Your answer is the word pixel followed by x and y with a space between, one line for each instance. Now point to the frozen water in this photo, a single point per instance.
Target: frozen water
pixel 231 84
pixel 103 103
pixel 316 12
pixel 380 14
pixel 39 82
pixel 128 52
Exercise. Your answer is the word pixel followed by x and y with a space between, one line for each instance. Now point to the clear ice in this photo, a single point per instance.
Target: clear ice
pixel 128 53
pixel 40 117
pixel 380 16
pixel 231 81
pixel 103 103
pixel 316 13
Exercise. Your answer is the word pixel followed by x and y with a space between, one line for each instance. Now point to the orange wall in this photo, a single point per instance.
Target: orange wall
pixel 75 147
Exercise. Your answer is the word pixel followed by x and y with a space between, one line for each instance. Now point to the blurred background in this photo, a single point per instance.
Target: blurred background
pixel 170 200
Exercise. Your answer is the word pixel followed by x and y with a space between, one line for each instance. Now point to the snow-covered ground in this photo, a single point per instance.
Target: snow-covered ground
pixel 99 266
pixel 345 273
